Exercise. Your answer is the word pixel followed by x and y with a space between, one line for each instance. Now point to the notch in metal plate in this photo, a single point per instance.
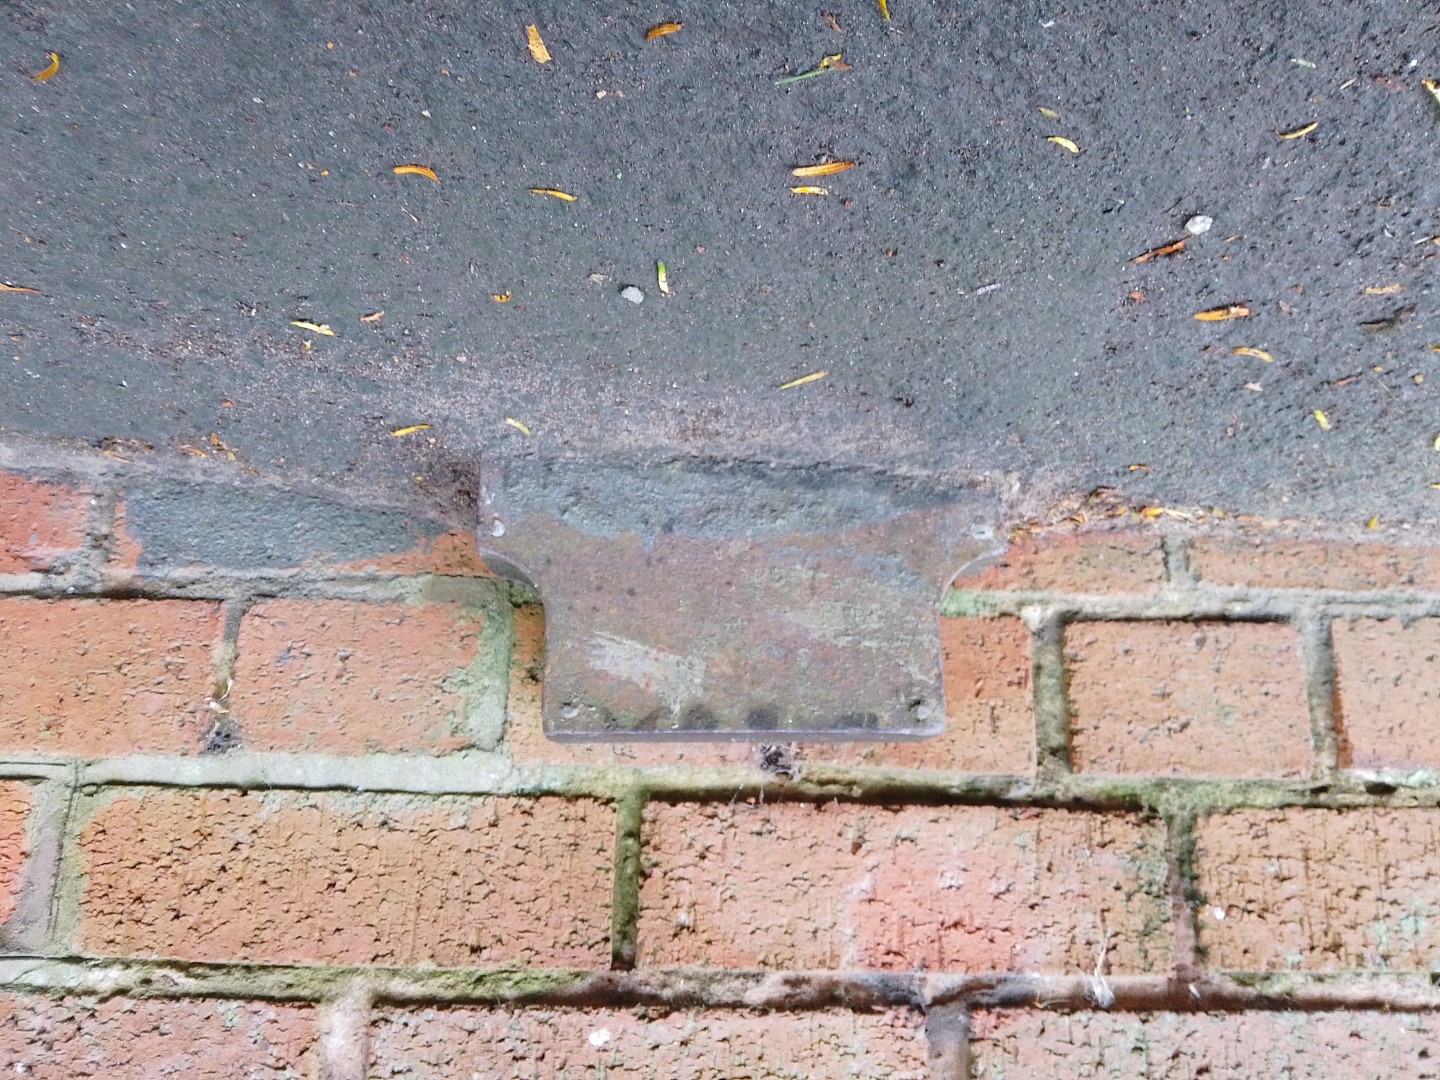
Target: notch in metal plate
pixel 688 598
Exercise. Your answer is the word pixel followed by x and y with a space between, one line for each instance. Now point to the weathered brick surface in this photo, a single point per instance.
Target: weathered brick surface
pixel 1076 563
pixel 1023 1044
pixel 954 888
pixel 96 677
pixel 14 806
pixel 1388 682
pixel 121 1039
pixel 552 1044
pixel 346 677
pixel 290 877
pixel 989 713
pixel 41 525
pixel 1195 699
pixel 1283 564
pixel 451 553
pixel 1319 890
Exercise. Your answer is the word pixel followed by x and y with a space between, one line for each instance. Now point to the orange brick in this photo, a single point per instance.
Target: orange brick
pixel 1020 1044
pixel 40 524
pixel 95 677
pixel 347 677
pixel 1076 563
pixel 451 553
pixel 989 713
pixel 1319 890
pixel 1388 678
pixel 620 1045
pixel 1284 564
pixel 964 888
pixel 348 879
pixel 124 1039
pixel 14 806
pixel 1187 699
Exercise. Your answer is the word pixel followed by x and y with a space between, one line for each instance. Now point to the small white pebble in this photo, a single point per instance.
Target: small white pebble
pixel 1218 914
pixel 633 294
pixel 600 1036
pixel 1198 224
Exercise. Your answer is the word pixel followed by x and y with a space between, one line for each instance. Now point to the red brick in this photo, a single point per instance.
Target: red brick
pixel 1319 890
pixel 955 888
pixel 451 553
pixel 1076 563
pixel 1290 564
pixel 348 879
pixel 14 806
pixel 1388 679
pixel 1023 1044
pixel 95 677
pixel 1187 699
pixel 347 677
pixel 40 524
pixel 554 1044
pixel 125 548
pixel 989 713
pixel 123 1039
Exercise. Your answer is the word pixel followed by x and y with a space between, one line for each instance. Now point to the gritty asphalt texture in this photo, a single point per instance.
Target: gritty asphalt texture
pixel 197 175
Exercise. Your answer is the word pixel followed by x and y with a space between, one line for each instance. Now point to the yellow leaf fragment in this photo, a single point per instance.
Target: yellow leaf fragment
pixel 1321 419
pixel 1063 143
pixel 537 45
pixel 1428 84
pixel 809 189
pixel 416 170
pixel 1049 114
pixel 1436 444
pixel 1298 132
pixel 371 317
pixel 1250 350
pixel 1220 314
pixel 885 10
pixel 318 328
pixel 832 62
pixel 1384 290
pixel 1435 484
pixel 518 425
pixel 661 29
pixel 661 279
pixel 500 297
pixel 411 429
pixel 5 286
pixel 803 379
pixel 49 70
pixel 1138 467
pixel 554 193
pixel 825 169
pixel 1373 522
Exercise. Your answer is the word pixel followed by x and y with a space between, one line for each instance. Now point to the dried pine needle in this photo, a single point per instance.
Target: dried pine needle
pixel 1250 350
pixel 49 70
pixel 411 429
pixel 825 169
pixel 1220 314
pixel 803 379
pixel 416 170
pixel 1299 131
pixel 554 193
pixel 313 327
pixel 809 189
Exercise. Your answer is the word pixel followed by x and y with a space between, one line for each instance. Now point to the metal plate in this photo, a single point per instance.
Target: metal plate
pixel 692 599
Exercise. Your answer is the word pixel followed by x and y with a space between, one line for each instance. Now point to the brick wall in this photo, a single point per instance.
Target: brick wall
pixel 289 813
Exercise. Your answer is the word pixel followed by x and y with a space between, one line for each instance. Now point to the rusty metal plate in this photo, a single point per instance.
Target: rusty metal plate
pixel 734 600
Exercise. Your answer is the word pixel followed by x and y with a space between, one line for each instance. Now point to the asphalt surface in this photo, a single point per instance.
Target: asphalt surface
pixel 197 175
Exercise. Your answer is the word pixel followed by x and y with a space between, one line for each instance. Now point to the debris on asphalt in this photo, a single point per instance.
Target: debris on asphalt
pixel 661 279
pixel 1389 322
pixel 809 189
pixel 1220 314
pixel 1063 143
pixel 885 10
pixel 409 429
pixel 1172 248
pixel 832 62
pixel 500 297
pixel 633 293
pixel 1137 468
pixel 1198 224
pixel 824 169
pixel 1250 350
pixel 598 279
pixel 1321 419
pixel 1302 63
pixel 1299 131
pixel 518 425
pixel 318 328
pixel 831 21
pixel 983 289
pixel 554 193
pixel 1428 84
pixel 49 70
pixel 416 170
pixel 1384 290
pixel 537 45
pixel 661 29
pixel 803 379
pixel 1255 386
pixel 372 316
pixel 1049 114
pixel 5 286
